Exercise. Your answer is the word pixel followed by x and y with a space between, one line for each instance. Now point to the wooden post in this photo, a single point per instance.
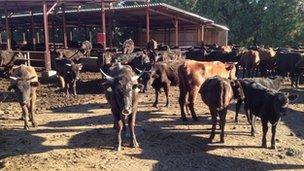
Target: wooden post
pixel 8 33
pixel 23 37
pixel 65 38
pixel 176 31
pixel 47 56
pixel 103 18
pixel 33 31
pixel 38 37
pixel 90 36
pixel 147 22
pixel 53 34
pixel 0 37
pixel 71 35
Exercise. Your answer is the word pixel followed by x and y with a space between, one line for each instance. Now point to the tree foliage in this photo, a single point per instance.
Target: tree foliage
pixel 268 22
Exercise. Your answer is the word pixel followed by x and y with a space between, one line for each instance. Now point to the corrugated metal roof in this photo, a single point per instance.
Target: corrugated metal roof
pixel 154 5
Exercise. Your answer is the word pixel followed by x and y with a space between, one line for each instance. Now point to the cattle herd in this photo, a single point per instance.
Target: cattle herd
pixel 208 70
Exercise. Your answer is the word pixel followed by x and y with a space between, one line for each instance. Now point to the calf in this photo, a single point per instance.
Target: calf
pixel 267 62
pixel 274 84
pixel 122 95
pixel 192 75
pixel 24 83
pixel 164 74
pixel 68 73
pixel 216 93
pixel 269 105
pixel 249 61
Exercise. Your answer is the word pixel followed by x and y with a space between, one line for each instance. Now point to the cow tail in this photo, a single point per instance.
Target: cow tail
pixel 222 95
pixel 182 86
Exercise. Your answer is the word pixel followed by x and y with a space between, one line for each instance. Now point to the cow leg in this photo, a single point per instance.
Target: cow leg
pixel 244 71
pixel 253 119
pixel 214 122
pixel 265 130
pixel 74 88
pixel 131 124
pixel 120 127
pixel 273 130
pixel 191 100
pixel 25 116
pixel 237 109
pixel 182 101
pixel 32 108
pixel 67 87
pixel 61 82
pixel 166 88
pixel 156 98
pixel 222 114
pixel 247 113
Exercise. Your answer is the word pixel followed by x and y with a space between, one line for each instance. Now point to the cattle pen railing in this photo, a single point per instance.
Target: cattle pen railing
pixel 31 58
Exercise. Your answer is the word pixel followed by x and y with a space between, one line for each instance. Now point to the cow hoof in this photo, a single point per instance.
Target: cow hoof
pixel 222 141
pixel 118 148
pixel 26 127
pixel 253 134
pixel 154 105
pixel 134 145
pixel 167 105
pixel 236 121
pixel 184 119
pixel 34 124
pixel 273 147
pixel 264 145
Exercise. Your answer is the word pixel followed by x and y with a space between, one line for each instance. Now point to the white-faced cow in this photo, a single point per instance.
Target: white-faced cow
pixel 24 83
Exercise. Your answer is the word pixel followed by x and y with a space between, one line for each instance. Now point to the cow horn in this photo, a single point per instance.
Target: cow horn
pixel 109 78
pixel 14 78
pixel 134 78
pixel 68 64
pixel 31 78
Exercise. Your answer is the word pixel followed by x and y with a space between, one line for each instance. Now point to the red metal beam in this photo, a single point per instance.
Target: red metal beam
pixel 176 31
pixel 65 38
pixel 8 32
pixel 47 56
pixel 103 18
pixel 148 21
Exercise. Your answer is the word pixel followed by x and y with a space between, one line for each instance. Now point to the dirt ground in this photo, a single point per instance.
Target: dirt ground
pixel 77 133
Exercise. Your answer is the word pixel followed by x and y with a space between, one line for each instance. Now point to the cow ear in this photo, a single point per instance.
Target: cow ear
pixel 34 84
pixel 293 97
pixel 229 66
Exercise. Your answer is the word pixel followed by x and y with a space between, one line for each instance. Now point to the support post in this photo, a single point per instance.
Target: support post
pixel 8 32
pixel 110 30
pixel 103 18
pixel 33 31
pixel 147 22
pixel 65 38
pixel 226 36
pixel 0 37
pixel 47 56
pixel 176 32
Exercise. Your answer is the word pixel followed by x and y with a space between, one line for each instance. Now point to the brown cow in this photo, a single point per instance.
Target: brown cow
pixel 24 83
pixel 192 75
pixel 249 61
pixel 267 62
pixel 226 49
pixel 217 93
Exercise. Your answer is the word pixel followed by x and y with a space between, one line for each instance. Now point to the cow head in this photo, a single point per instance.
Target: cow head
pixel 23 88
pixel 237 89
pixel 281 101
pixel 231 69
pixel 124 87
pixel 73 70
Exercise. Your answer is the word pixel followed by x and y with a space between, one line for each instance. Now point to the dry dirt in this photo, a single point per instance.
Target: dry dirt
pixel 77 133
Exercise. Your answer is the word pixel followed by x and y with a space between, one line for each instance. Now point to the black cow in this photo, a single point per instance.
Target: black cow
pixel 122 95
pixel 196 54
pixel 24 83
pixel 269 105
pixel 275 84
pixel 217 93
pixel 68 73
pixel 292 63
